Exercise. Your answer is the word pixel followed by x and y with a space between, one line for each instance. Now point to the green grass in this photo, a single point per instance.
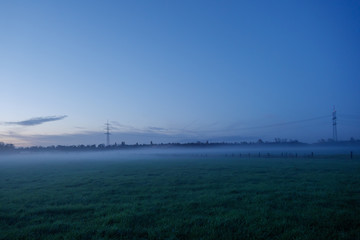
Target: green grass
pixel 182 197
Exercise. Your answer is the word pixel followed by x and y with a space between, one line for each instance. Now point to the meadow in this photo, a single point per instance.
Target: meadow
pixel 181 196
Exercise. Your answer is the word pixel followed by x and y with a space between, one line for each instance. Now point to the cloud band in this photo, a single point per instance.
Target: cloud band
pixel 37 120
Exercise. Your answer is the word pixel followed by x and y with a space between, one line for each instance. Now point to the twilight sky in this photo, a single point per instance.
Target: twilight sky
pixel 175 71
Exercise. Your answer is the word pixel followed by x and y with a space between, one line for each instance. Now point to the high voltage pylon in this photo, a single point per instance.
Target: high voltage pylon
pixel 334 125
pixel 107 133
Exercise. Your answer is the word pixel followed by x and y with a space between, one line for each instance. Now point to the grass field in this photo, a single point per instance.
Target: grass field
pixel 181 197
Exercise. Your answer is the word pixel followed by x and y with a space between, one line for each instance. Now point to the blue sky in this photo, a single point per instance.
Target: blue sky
pixel 171 71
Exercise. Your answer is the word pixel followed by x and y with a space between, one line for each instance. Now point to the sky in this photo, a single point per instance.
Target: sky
pixel 178 71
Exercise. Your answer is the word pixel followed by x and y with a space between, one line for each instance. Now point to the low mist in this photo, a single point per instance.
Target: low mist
pixel 175 152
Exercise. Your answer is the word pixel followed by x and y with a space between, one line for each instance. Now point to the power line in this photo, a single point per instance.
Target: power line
pixel 285 123
pixel 281 124
pixel 349 116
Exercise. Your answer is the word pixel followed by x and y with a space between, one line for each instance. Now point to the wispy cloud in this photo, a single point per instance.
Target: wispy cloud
pixel 37 120
pixel 118 127
pixel 89 138
pixel 158 129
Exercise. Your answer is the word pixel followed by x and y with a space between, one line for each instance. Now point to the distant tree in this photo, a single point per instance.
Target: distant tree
pixel 101 146
pixel 6 147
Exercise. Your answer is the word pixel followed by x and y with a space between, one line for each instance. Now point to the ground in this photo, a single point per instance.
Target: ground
pixel 181 197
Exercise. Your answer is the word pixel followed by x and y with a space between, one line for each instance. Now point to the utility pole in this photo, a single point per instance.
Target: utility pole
pixel 334 125
pixel 107 133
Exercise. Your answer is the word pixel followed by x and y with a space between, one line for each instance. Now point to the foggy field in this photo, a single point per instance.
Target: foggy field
pixel 179 197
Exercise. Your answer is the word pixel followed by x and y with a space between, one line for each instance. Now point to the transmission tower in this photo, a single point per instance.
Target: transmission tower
pixel 334 125
pixel 107 133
